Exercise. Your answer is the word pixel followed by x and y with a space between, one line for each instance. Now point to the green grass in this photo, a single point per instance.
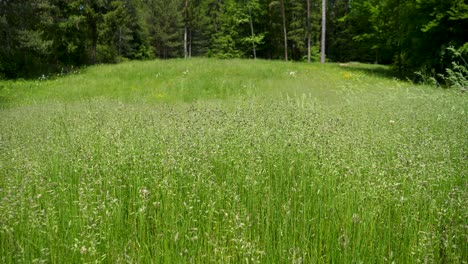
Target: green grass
pixel 232 161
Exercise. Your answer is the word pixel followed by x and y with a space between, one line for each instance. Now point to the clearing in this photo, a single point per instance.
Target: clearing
pixel 232 161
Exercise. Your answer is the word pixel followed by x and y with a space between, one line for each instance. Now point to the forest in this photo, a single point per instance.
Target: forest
pixel 54 36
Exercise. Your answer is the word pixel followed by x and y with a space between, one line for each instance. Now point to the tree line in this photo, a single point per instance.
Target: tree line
pixel 40 36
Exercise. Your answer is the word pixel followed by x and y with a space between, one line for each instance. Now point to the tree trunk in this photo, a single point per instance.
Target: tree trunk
pixel 120 42
pixel 185 43
pixel 324 18
pixel 284 31
pixel 7 39
pixel 93 50
pixel 308 31
pixel 253 35
pixel 190 44
pixel 94 36
pixel 185 29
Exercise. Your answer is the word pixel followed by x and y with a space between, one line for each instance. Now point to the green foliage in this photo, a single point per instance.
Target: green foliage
pixel 412 35
pixel 223 47
pixel 23 36
pixel 43 36
pixel 339 34
pixel 457 75
pixel 249 12
pixel 38 37
pixel 165 23
pixel 225 39
pixel 297 30
pixel 258 39
pixel 314 53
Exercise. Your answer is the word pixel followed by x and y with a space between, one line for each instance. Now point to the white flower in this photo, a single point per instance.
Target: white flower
pixel 83 250
pixel 356 218
pixel 144 193
pixel 292 74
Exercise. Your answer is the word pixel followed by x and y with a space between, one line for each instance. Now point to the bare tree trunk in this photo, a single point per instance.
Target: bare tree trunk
pixel 324 19
pixel 308 31
pixel 190 44
pixel 253 35
pixel 284 31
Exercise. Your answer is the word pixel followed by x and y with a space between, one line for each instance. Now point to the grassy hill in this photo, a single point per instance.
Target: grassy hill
pixel 232 161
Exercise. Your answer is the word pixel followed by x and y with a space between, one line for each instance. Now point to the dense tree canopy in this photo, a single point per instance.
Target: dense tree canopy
pixel 42 36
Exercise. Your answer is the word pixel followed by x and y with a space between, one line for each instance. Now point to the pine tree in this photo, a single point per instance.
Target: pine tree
pixel 25 47
pixel 165 23
pixel 297 25
pixel 281 6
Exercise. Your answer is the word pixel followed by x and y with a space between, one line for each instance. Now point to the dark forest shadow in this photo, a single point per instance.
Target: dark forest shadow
pixel 369 69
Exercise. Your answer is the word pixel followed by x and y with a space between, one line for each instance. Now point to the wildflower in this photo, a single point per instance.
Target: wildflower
pixel 356 218
pixel 158 95
pixel 347 75
pixel 144 193
pixel 292 74
pixel 392 121
pixel 83 250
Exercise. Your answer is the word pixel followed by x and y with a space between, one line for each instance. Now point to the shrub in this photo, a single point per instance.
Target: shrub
pixel 457 76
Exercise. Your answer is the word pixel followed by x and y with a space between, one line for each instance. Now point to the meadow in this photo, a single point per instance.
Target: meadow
pixel 232 161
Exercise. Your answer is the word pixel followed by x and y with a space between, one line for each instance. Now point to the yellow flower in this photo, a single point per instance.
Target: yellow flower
pixel 347 75
pixel 158 95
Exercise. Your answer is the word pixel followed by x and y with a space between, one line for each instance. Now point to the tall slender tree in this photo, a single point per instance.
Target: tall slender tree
pixel 250 10
pixel 285 33
pixel 324 31
pixel 308 31
pixel 186 28
pixel 252 33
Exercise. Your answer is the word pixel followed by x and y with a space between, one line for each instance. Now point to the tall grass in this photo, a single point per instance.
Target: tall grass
pixel 233 161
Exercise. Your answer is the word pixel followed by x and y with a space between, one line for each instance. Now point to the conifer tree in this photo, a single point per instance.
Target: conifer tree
pixel 165 23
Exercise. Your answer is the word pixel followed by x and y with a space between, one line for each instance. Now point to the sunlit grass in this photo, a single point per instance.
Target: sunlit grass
pixel 234 161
